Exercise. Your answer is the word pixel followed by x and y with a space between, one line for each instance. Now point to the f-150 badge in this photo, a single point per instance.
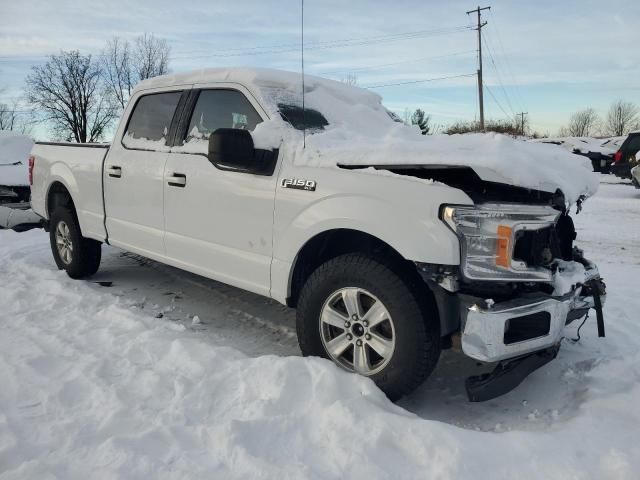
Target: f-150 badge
pixel 299 184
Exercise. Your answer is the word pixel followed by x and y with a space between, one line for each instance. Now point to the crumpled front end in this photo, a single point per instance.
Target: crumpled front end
pixel 520 281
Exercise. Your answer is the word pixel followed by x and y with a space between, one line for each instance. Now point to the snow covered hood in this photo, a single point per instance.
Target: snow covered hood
pixel 494 158
pixel 14 157
pixel 361 131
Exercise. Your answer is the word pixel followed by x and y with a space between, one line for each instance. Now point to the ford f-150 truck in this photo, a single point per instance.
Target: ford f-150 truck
pixel 390 245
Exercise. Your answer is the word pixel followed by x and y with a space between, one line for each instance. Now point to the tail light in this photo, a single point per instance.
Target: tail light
pixel 32 163
pixel 617 157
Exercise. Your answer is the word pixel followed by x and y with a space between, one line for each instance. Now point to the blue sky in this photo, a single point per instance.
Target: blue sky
pixel 549 58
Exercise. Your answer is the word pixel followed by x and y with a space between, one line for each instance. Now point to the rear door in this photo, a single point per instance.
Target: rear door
pixel 218 223
pixel 134 173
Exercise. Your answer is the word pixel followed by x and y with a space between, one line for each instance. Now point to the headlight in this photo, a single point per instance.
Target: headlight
pixel 488 233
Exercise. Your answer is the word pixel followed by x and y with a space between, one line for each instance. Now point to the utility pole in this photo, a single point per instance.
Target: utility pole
pixel 479 28
pixel 522 114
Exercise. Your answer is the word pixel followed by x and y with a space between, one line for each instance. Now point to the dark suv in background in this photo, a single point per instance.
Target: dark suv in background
pixel 625 158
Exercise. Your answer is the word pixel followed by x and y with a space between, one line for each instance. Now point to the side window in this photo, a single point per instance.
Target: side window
pixel 218 109
pixel 150 121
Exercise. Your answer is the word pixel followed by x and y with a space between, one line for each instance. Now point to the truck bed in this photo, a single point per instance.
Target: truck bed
pixel 79 168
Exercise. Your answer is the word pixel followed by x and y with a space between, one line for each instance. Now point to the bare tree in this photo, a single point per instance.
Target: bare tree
pixel 69 91
pixel 117 69
pixel 622 117
pixel 124 66
pixel 150 56
pixel 406 116
pixel 582 123
pixel 15 118
pixel 350 79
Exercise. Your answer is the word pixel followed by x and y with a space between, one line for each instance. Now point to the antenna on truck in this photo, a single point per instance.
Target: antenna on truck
pixel 304 122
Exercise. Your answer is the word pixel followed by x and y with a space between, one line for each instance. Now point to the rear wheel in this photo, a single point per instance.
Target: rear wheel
pixel 362 315
pixel 78 256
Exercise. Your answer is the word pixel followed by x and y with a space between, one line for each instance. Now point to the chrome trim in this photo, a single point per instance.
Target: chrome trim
pixel 483 322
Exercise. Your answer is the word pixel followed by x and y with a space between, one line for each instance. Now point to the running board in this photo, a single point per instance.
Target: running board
pixel 507 375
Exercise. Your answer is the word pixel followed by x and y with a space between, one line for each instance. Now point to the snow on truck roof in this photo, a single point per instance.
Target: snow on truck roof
pixel 268 85
pixel 361 131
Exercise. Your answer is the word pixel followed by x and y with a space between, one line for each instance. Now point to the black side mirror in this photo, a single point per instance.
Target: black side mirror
pixel 232 149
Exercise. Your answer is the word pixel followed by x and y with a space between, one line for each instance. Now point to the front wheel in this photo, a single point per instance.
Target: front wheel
pixel 359 313
pixel 79 256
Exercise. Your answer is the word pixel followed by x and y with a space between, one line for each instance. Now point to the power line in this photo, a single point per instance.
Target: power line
pixel 498 76
pixel 506 59
pixel 497 102
pixel 425 80
pixel 383 65
pixel 291 47
pixel 352 42
pixel 387 36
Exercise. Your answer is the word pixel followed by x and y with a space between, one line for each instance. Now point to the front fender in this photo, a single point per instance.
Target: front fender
pixel 422 238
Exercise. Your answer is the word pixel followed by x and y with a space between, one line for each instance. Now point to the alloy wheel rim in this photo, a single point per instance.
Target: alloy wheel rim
pixel 357 331
pixel 64 243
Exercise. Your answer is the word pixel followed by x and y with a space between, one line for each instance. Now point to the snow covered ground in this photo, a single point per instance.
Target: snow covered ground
pixel 164 374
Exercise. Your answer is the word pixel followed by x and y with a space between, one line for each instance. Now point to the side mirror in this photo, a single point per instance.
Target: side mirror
pixel 232 149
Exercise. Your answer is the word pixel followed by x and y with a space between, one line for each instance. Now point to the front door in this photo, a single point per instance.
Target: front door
pixel 134 175
pixel 218 223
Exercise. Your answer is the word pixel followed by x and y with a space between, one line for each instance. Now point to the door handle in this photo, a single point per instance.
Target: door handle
pixel 114 171
pixel 177 180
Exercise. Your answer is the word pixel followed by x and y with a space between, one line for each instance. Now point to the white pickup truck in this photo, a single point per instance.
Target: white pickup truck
pixel 390 245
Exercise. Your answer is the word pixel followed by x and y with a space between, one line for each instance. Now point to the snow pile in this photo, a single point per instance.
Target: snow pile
pixel 92 388
pixel 362 132
pixel 14 159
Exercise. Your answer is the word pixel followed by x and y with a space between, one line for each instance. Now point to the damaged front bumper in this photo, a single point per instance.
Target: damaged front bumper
pixel 518 335
pixel 492 332
pixel 523 334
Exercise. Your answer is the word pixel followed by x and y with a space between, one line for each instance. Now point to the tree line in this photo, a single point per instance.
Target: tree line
pixel 621 118
pixel 80 96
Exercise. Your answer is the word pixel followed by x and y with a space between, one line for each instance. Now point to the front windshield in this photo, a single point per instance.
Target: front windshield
pixel 300 119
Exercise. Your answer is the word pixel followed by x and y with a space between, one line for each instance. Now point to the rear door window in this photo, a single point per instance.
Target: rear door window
pixel 150 121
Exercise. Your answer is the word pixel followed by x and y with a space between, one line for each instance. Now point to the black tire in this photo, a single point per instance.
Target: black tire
pixel 86 253
pixel 415 318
